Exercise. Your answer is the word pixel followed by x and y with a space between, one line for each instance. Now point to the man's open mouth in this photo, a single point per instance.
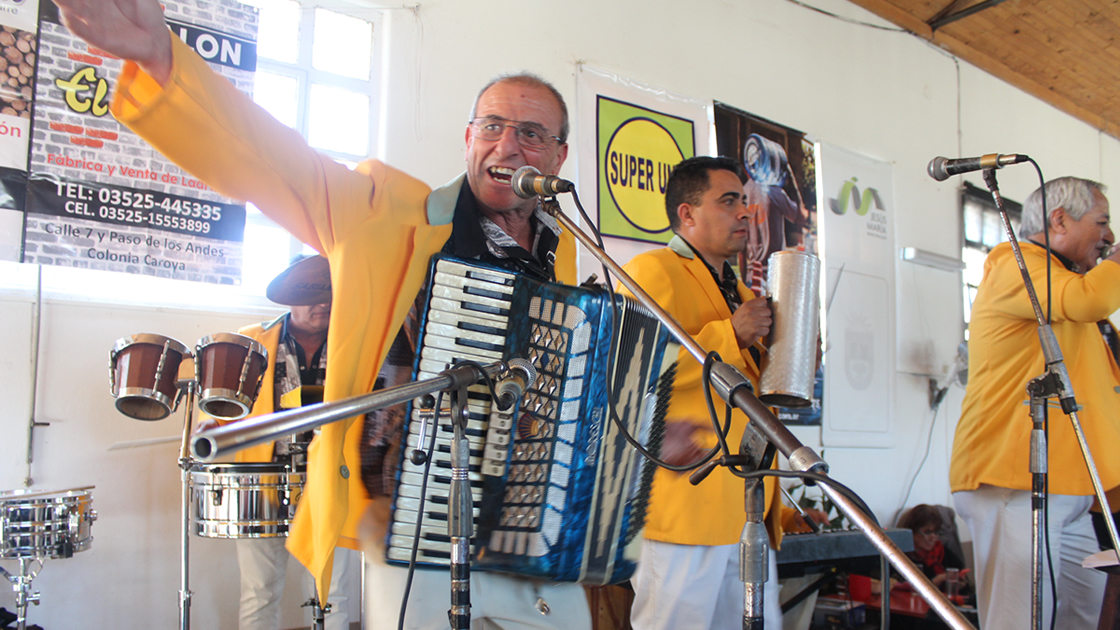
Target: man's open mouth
pixel 500 173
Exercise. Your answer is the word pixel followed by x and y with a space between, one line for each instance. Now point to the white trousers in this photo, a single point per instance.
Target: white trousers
pixel 1000 522
pixel 264 565
pixel 498 601
pixel 692 587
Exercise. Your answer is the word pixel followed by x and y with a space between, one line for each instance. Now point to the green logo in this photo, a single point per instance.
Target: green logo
pixel 862 203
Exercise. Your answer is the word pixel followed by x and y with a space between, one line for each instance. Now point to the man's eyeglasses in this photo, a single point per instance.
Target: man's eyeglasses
pixel 530 135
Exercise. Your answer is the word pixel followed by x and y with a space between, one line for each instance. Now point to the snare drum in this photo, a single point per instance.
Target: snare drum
pixel 229 368
pixel 143 370
pixel 244 500
pixel 41 524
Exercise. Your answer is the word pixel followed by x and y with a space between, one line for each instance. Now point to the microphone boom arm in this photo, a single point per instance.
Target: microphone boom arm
pixel 210 445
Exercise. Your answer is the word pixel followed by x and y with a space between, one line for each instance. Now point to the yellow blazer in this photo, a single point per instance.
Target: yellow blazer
pixel 992 441
pixel 710 513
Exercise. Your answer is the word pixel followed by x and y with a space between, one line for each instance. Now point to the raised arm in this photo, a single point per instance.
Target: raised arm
pixel 133 30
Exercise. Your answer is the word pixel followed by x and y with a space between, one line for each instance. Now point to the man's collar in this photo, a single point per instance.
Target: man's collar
pixel 441 201
pixel 467 236
pixel 681 247
pixel 1066 262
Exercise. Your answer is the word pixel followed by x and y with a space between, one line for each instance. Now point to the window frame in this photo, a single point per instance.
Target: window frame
pixel 972 194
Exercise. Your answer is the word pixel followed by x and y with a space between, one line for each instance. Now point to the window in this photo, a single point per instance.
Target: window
pixel 983 230
pixel 315 74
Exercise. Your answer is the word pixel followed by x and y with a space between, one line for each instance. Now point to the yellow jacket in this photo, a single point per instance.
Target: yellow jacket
pixel 375 224
pixel 992 442
pixel 710 513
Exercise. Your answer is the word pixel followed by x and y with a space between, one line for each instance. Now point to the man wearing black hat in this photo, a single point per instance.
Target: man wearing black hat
pixel 297 349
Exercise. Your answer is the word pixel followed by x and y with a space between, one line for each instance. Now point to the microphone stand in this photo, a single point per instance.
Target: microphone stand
pixel 734 388
pixel 221 441
pixel 1054 383
pixel 460 525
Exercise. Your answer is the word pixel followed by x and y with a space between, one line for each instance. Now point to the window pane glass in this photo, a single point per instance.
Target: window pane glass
pixel 974 265
pixel 342 45
pixel 973 221
pixel 969 298
pixel 278 94
pixel 266 254
pixel 338 120
pixel 278 36
pixel 993 229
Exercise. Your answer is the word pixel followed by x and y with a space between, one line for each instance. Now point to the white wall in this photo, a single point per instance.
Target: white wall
pixel 885 94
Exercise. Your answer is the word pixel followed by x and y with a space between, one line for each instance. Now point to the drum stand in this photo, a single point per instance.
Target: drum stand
pixel 1054 383
pixel 185 464
pixel 21 584
pixel 318 613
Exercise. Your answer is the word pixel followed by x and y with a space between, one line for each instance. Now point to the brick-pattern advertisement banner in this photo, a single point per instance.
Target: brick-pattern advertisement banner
pixel 18 54
pixel 98 196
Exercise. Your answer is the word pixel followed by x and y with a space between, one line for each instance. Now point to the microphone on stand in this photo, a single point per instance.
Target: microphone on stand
pixel 520 377
pixel 942 169
pixel 528 182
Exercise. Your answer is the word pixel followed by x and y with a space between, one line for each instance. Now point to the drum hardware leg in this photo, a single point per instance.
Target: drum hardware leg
pixel 187 389
pixel 184 558
pixel 318 613
pixel 21 584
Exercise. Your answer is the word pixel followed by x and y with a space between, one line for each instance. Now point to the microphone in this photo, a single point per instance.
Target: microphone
pixel 519 378
pixel 942 169
pixel 528 182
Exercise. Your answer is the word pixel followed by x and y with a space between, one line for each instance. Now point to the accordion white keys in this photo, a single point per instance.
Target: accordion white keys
pixel 558 493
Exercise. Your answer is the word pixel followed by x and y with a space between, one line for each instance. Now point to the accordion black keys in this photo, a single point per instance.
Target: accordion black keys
pixel 558 493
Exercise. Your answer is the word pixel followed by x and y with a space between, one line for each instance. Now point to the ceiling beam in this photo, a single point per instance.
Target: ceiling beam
pixel 941 20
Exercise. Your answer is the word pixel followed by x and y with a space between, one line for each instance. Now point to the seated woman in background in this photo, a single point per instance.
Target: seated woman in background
pixel 930 553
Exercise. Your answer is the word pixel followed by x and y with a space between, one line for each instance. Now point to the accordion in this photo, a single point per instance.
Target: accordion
pixel 558 493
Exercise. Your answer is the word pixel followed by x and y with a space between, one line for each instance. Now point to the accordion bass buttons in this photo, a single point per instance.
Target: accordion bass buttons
pixel 496 450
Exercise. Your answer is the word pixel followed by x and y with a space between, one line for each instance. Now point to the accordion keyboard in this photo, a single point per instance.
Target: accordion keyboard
pixel 557 493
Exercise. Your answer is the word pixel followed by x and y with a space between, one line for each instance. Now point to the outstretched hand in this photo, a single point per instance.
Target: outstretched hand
pixel 129 29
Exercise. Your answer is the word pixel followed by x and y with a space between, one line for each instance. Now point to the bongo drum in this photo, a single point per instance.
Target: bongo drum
pixel 229 369
pixel 143 370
